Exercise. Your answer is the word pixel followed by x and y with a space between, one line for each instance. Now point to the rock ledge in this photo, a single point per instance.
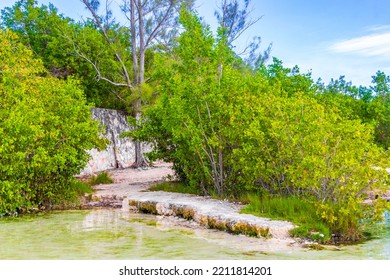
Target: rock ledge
pixel 210 213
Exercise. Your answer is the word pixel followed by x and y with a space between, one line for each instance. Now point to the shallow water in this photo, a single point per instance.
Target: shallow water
pixel 118 234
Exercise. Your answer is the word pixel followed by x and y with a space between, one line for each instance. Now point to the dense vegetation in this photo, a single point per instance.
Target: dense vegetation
pixel 233 127
pixel 56 40
pixel 271 131
pixel 45 128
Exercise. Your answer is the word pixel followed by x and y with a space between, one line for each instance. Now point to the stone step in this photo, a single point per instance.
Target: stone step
pixel 211 213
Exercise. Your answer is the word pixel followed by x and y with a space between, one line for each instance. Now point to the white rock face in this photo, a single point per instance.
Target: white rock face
pixel 120 152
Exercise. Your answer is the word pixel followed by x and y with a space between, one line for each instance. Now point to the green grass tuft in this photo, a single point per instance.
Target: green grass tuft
pixel 101 178
pixel 82 187
pixel 173 186
pixel 296 210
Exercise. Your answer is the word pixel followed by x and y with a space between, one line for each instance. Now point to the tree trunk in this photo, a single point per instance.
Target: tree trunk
pixel 139 73
pixel 133 34
pixel 141 77
pixel 141 13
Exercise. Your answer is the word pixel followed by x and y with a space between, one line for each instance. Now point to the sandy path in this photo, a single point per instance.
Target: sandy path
pixel 126 182
pixel 131 180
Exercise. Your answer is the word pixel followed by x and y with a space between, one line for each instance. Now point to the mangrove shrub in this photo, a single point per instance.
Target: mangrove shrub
pixel 231 132
pixel 45 130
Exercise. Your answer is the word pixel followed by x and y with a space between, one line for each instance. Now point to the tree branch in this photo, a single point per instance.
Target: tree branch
pixel 154 33
pixel 93 64
pixel 97 21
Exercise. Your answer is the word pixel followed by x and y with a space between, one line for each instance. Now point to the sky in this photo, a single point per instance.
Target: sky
pixel 327 37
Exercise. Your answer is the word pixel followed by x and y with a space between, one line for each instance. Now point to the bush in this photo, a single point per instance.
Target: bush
pixel 45 128
pixel 229 131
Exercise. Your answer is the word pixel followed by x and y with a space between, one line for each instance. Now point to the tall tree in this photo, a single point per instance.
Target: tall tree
pixel 149 23
pixel 235 20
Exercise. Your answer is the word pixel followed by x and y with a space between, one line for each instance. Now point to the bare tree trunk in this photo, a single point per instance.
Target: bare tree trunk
pixel 133 34
pixel 139 159
pixel 141 31
pixel 139 72
pixel 146 18
pixel 115 150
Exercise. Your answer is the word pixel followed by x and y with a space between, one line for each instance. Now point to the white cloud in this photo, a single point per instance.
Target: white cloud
pixel 377 44
pixel 376 28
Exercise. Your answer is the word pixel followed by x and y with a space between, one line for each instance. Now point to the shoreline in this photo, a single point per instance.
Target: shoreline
pixel 129 191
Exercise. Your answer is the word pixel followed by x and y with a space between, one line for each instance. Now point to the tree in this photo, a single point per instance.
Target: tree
pixel 189 122
pixel 370 105
pixel 230 132
pixel 39 28
pixel 379 108
pixel 45 131
pixel 288 82
pixel 344 98
pixel 381 83
pixel 234 21
pixel 150 22
pixel 47 33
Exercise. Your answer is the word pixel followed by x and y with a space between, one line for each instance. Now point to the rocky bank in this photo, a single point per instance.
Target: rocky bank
pixel 129 190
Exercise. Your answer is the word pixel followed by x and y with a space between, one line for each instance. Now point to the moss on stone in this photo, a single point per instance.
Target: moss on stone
pixel 216 223
pixel 212 222
pixel 147 207
pixel 183 212
pixel 203 221
pixel 248 229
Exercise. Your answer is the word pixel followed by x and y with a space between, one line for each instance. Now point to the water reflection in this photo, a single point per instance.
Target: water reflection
pixel 117 234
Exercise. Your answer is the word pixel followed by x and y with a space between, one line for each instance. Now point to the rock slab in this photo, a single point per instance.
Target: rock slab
pixel 210 213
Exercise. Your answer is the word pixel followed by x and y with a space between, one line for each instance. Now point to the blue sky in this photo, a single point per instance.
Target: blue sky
pixel 328 37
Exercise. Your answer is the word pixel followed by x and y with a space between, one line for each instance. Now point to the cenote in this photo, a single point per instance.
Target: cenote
pixel 118 234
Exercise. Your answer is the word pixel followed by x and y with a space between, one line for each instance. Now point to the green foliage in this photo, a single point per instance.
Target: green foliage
pixel 234 20
pixel 58 40
pixel 177 187
pixel 101 178
pixel 229 131
pixel 97 63
pixel 82 188
pixel 192 130
pixel 379 108
pixel 309 151
pixel 369 105
pixel 345 99
pixel 297 210
pixel 287 82
pixel 45 128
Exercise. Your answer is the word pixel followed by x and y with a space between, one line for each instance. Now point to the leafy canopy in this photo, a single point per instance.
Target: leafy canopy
pixel 45 130
pixel 57 41
pixel 230 132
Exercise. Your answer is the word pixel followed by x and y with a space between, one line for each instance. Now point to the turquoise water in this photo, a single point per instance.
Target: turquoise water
pixel 117 234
